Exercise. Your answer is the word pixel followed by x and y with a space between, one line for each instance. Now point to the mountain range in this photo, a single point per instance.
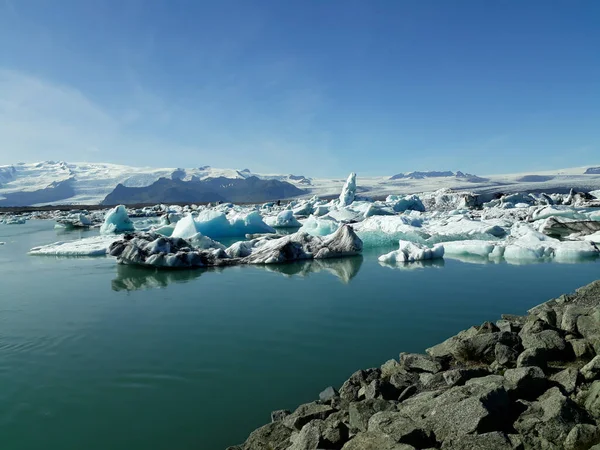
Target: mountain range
pixel 59 182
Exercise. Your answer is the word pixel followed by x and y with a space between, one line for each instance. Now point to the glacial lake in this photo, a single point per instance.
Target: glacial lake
pixel 98 356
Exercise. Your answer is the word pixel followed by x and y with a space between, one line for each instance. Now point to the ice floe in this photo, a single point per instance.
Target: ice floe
pixel 91 246
pixel 411 252
pixel 117 221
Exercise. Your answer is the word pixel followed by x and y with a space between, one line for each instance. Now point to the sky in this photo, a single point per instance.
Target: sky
pixel 318 87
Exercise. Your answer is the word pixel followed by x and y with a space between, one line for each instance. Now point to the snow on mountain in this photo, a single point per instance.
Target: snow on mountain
pixel 90 183
pixel 58 182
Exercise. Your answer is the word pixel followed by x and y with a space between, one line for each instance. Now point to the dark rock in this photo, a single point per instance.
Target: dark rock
pixel 547 422
pixel 570 315
pixel 390 368
pixel 374 441
pixel 457 377
pixel 592 401
pixel 402 429
pixel 525 382
pixel 567 379
pixel 582 437
pixel 532 357
pixel 495 440
pixel 408 392
pixel 381 389
pixel 581 348
pixel 419 363
pixel 591 370
pixel 507 326
pixel 432 380
pixel 589 325
pixel 308 438
pixel 274 436
pixel 351 387
pixel 279 415
pixel 305 413
pixel 487 327
pixel 550 341
pixel 460 410
pixel 505 355
pixel 328 394
pixel 361 412
pixel 402 380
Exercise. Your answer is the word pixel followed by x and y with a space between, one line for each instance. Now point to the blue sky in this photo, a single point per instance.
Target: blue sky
pixel 313 87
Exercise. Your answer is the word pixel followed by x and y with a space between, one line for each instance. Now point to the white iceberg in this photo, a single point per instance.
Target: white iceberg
pixel 285 219
pixel 410 252
pixel 215 224
pixel 317 226
pixel 91 246
pixel 348 191
pixel 117 221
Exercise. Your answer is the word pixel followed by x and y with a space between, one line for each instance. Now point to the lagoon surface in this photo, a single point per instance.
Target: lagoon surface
pixel 94 355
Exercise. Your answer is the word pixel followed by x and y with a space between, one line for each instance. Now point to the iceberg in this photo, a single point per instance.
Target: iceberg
pixel 285 219
pixel 348 191
pixel 401 204
pixel 215 224
pixel 477 248
pixel 91 246
pixel 117 221
pixel 411 252
pixel 384 230
pixel 151 249
pixel 317 226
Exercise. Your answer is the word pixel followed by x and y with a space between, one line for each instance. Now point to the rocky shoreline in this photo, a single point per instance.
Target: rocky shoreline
pixel 524 382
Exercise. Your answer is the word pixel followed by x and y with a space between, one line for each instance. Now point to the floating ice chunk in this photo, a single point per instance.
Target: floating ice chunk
pixel 593 238
pixel 185 228
pixel 345 215
pixel 285 219
pixel 348 191
pixel 150 249
pixel 248 223
pixel 165 230
pixel 91 246
pixel 410 252
pixel 2 243
pixel 215 224
pixel 384 230
pixel 304 209
pixel 401 204
pixel 320 226
pixel 476 248
pixel 575 250
pixel 321 210
pixel 455 228
pixel 117 221
pixel 15 220
pixel 557 211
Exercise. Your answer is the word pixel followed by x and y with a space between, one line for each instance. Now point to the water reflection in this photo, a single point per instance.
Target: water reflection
pixel 345 269
pixel 435 263
pixel 131 278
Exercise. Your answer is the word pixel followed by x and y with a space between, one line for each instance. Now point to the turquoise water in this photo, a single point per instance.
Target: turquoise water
pixel 99 356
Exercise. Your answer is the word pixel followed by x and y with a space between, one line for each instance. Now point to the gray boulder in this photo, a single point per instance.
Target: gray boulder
pixel 591 370
pixel 402 429
pixel 374 441
pixel 458 377
pixel 328 394
pixel 279 415
pixel 532 357
pixel 361 412
pixel 582 437
pixel 274 436
pixel 419 363
pixel 551 342
pixel 505 355
pixel 495 440
pixel 546 422
pixel 525 382
pixel 307 412
pixel 567 379
pixel 592 401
